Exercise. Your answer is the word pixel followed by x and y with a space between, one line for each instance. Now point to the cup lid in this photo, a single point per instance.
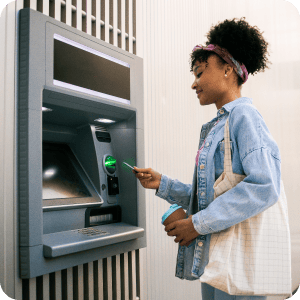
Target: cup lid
pixel 169 212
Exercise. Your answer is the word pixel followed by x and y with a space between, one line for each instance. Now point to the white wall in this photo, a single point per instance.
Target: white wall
pixel 167 31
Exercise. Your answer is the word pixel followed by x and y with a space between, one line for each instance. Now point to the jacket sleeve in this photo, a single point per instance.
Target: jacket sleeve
pixel 260 189
pixel 174 191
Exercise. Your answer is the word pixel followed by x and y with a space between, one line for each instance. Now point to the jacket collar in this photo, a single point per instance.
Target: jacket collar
pixel 231 105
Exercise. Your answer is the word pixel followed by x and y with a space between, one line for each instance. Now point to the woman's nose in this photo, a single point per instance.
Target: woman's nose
pixel 194 85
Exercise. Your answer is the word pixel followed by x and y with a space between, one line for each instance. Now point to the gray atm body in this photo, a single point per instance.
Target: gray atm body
pixel 58 233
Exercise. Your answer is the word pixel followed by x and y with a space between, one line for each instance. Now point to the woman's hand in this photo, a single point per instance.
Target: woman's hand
pixel 148 178
pixel 183 230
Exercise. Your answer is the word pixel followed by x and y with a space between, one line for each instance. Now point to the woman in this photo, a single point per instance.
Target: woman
pixel 234 49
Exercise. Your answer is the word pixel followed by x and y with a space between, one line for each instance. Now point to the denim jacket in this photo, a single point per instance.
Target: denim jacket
pixel 254 153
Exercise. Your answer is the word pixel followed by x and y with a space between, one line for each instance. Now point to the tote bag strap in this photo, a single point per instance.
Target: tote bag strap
pixel 227 155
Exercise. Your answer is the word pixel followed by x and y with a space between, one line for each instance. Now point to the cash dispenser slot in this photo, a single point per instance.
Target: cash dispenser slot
pixel 73 241
pixel 103 215
pixel 103 227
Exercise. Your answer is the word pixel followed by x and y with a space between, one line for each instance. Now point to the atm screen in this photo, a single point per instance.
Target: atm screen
pixel 84 69
pixel 61 178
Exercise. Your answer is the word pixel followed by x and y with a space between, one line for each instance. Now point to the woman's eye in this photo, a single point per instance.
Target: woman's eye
pixel 198 75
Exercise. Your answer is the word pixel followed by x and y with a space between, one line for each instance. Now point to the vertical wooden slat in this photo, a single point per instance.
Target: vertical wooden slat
pixel 83 16
pixel 19 5
pixel 58 285
pixel 106 20
pixel 124 266
pixel 134 25
pixel 98 19
pixel 118 278
pixel 109 278
pixel 94 17
pixel 80 282
pixel 132 274
pixel 70 284
pixel 89 16
pixel 102 10
pixel 123 41
pixel 57 12
pixel 69 12
pixel 138 273
pixel 46 7
pixel 32 288
pixel 115 23
pixel 79 15
pixel 111 32
pixel 127 24
pixel 46 294
pixel 130 25
pixel 100 279
pixel 91 280
pixel 33 4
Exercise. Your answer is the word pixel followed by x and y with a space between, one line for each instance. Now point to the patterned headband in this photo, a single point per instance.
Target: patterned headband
pixel 222 52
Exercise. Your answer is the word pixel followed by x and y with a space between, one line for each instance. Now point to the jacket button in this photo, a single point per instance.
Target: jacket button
pixel 221 111
pixel 200 244
pixel 207 144
pixel 202 194
pixel 201 167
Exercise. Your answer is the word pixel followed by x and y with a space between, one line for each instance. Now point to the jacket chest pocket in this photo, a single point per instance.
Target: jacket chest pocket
pixel 219 157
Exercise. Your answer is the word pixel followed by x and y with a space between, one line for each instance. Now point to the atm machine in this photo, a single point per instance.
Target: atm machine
pixel 80 116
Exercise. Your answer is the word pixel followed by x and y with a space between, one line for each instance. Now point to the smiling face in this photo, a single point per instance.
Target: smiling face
pixel 211 84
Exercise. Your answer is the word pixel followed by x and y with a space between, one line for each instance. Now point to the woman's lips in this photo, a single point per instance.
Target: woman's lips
pixel 198 92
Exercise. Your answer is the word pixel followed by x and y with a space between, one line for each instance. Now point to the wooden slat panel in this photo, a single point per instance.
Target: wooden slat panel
pixel 69 12
pixel 91 280
pixel 133 272
pixel 89 16
pixel 98 19
pixel 19 4
pixel 33 4
pixel 46 7
pixel 70 283
pixel 106 20
pixel 125 279
pixel 32 289
pixel 123 41
pixel 46 294
pixel 80 282
pixel 57 12
pixel 118 277
pixel 130 31
pixel 79 15
pixel 100 279
pixel 115 23
pixel 58 285
pixel 109 278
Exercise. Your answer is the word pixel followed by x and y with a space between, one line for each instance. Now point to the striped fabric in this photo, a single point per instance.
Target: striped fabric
pixel 254 256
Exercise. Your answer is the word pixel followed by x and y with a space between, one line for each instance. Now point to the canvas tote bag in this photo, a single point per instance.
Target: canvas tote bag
pixel 254 256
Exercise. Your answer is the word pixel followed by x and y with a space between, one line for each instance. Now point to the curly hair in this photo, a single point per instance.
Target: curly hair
pixel 244 42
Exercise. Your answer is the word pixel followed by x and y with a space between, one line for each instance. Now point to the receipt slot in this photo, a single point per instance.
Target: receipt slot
pixel 80 115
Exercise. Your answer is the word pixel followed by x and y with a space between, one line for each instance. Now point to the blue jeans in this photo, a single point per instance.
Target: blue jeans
pixel 211 293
